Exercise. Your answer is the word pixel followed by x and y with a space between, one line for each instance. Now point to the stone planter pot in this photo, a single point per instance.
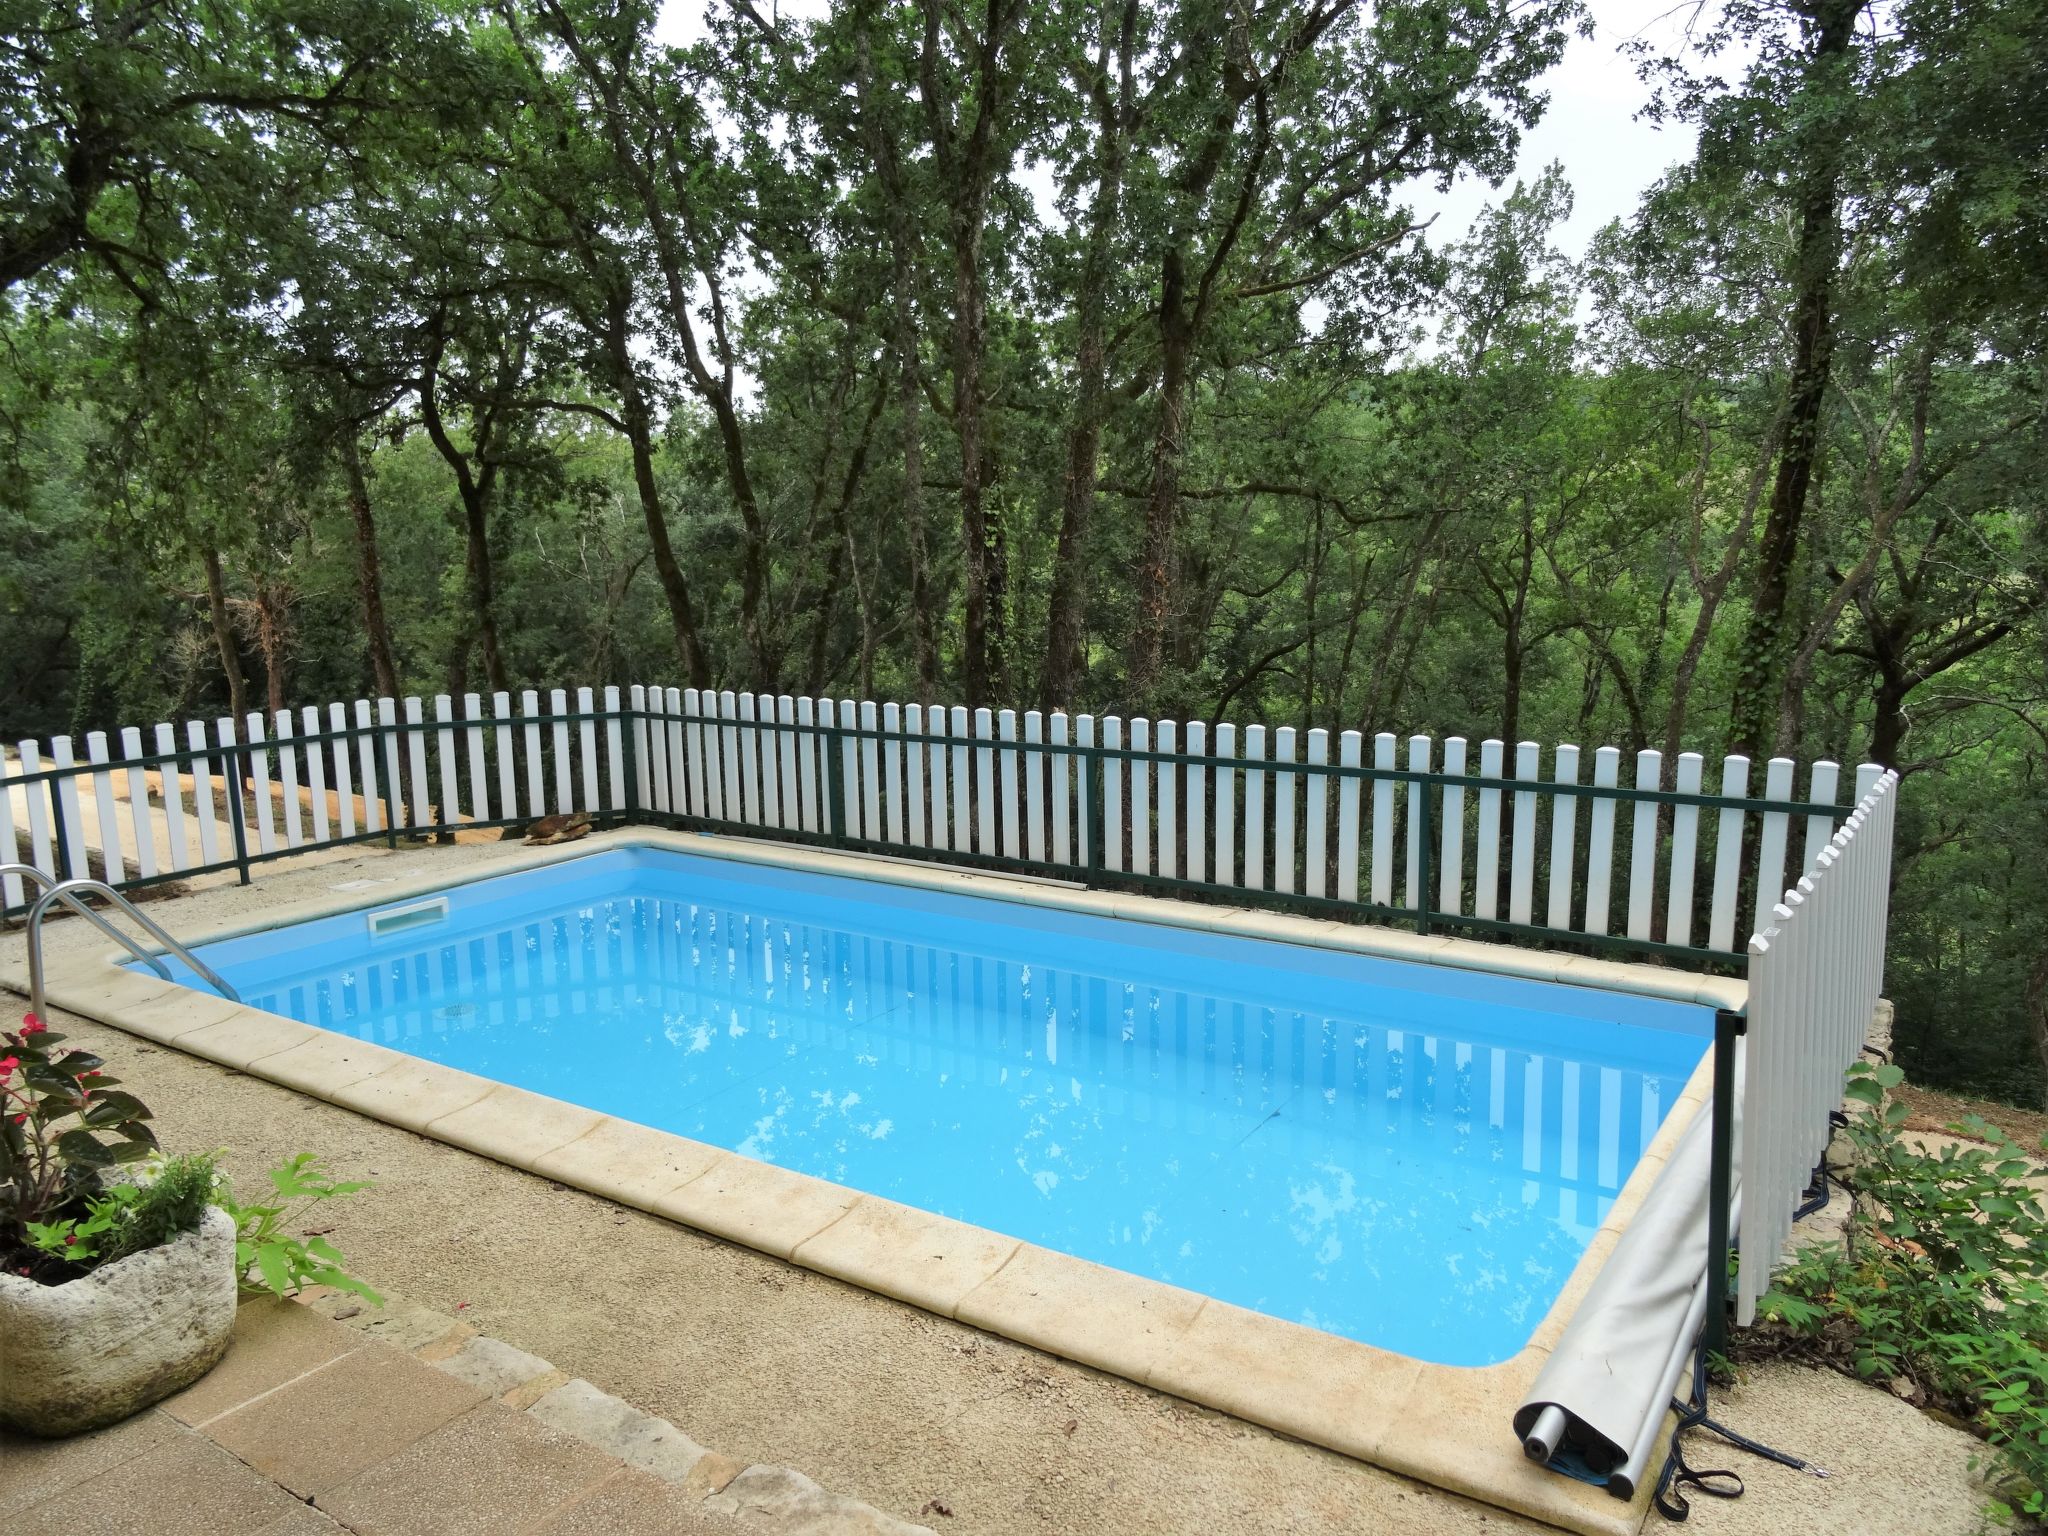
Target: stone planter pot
pixel 94 1350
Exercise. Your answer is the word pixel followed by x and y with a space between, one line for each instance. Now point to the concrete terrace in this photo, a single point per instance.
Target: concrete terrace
pixel 776 1366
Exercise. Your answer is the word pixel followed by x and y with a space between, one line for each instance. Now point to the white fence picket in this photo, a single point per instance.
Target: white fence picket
pixel 784 746
pixel 1088 834
pixel 1685 837
pixel 204 814
pixel 1254 808
pixel 70 819
pixel 1420 750
pixel 258 760
pixel 892 772
pixel 1006 781
pixel 11 892
pixel 106 823
pixel 1112 828
pixel 1451 868
pixel 344 770
pixel 1383 821
pixel 1062 781
pixel 586 730
pixel 1349 755
pixel 1820 790
pixel 536 777
pixel 141 823
pixel 937 779
pixel 1316 798
pixel 288 778
pixel 984 783
pixel 917 802
pixel 1642 857
pixel 753 811
pixel 650 749
pixel 445 765
pixel 1285 784
pixel 1225 789
pixel 1727 855
pixel 388 738
pixel 870 778
pixel 804 743
pixel 172 780
pixel 673 727
pixel 963 789
pixel 316 775
pixel 1195 805
pixel 737 791
pixel 614 754
pixel 1600 843
pixel 1034 788
pixel 1486 838
pixel 1522 854
pixel 1141 798
pixel 42 855
pixel 1564 834
pixel 565 792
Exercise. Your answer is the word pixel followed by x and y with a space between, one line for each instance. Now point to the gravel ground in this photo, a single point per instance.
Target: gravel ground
pixel 767 1362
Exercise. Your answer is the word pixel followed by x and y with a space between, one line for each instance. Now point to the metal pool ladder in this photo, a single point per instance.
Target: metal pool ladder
pixel 70 893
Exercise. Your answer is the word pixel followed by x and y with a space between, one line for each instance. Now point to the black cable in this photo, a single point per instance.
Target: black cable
pixel 1715 1482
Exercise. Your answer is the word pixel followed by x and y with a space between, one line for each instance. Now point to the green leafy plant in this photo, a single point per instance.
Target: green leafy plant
pixel 157 1200
pixel 265 1242
pixel 1939 1287
pixel 64 1123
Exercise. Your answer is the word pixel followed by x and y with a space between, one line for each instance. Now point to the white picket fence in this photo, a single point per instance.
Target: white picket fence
pixel 1816 972
pixel 1497 840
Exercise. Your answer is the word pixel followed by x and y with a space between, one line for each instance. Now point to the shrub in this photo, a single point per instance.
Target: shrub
pixel 1939 1287
pixel 64 1123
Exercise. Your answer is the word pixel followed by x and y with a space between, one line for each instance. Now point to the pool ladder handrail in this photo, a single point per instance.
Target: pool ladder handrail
pixel 69 893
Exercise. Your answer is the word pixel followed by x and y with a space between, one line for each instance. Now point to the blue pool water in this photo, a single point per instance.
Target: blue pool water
pixel 1410 1155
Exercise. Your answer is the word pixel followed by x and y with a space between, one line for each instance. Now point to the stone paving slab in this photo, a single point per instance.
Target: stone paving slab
pixel 492 1470
pixel 336 1423
pixel 184 1485
pixel 313 1424
pixel 33 1470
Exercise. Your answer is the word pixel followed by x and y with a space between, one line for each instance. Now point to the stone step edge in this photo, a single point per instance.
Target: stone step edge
pixel 766 1497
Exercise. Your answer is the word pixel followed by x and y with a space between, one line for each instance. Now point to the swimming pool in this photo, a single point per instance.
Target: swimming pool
pixel 1408 1155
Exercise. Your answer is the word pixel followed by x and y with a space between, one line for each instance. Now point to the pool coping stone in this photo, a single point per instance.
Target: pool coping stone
pixel 1443 1425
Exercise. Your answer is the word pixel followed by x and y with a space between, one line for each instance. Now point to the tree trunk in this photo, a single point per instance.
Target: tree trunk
pixel 1816 266
pixel 983 557
pixel 1067 606
pixel 475 491
pixel 224 636
pixel 271 643
pixel 369 570
pixel 903 343
pixel 674 586
pixel 1162 500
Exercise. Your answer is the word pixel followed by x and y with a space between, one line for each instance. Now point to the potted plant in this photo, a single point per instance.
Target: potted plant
pixel 120 1268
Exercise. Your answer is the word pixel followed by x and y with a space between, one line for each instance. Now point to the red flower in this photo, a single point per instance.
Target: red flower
pixel 31 1025
pixel 70 1238
pixel 8 1064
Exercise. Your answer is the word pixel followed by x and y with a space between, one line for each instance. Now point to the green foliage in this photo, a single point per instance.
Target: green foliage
pixel 285 1260
pixel 63 1124
pixel 517 347
pixel 157 1201
pixel 1940 1284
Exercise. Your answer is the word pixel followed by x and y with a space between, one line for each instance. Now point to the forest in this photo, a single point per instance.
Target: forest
pixel 1076 353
